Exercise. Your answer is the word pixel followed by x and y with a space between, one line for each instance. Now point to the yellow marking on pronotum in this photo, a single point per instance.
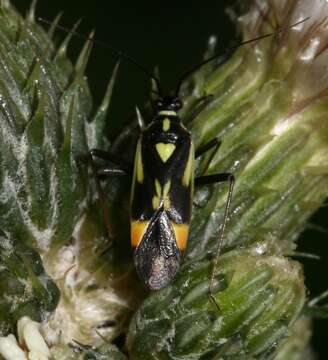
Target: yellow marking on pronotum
pixel 189 167
pixel 166 124
pixel 167 113
pixel 138 230
pixel 181 235
pixel 165 150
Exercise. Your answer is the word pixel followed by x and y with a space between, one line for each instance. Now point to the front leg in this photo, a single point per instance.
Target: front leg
pixel 213 145
pixel 201 105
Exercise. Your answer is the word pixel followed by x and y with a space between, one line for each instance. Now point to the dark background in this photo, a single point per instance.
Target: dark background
pixel 172 36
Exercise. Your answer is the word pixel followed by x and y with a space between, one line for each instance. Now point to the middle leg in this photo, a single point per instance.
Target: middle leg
pixel 213 145
pixel 121 169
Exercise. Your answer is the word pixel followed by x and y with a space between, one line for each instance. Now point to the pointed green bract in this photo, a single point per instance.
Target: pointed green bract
pixel 42 176
pixel 25 288
pixel 48 191
pixel 270 116
pixel 269 107
pixel 259 298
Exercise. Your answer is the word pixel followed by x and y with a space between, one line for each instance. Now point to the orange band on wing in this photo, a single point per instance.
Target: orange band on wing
pixel 138 229
pixel 181 235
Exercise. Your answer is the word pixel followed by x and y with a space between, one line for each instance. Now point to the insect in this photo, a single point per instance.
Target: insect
pixel 162 191
pixel 163 183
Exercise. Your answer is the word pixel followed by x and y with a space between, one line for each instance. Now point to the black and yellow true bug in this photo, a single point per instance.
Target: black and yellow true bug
pixel 163 183
pixel 162 194
pixel 162 191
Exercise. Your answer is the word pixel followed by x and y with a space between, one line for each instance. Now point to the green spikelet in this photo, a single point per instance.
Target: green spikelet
pixel 271 115
pixel 259 297
pixel 58 274
pixel 46 129
pixel 25 288
pixel 43 98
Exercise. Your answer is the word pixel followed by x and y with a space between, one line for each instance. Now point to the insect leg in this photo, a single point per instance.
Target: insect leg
pixel 213 144
pixel 202 104
pixel 109 171
pixel 210 179
pixel 107 156
pixel 213 179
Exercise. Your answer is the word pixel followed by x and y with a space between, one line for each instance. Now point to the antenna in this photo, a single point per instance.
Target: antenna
pixel 114 50
pixel 231 48
pixel 159 92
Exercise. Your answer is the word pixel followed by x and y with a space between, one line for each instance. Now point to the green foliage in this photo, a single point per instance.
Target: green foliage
pixel 45 104
pixel 270 114
pixel 259 297
pixel 25 288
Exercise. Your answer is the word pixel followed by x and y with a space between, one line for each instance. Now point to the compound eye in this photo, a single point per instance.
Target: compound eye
pixel 159 103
